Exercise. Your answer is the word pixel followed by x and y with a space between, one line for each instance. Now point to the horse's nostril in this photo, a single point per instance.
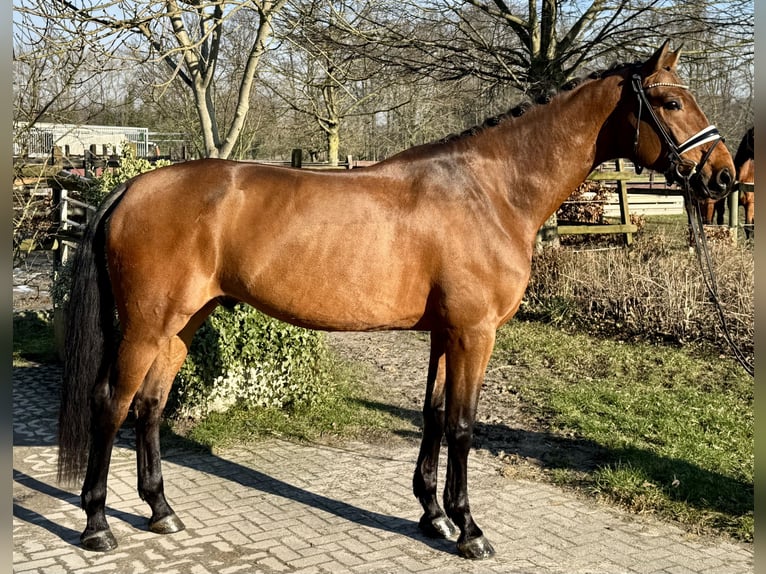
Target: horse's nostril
pixel 724 179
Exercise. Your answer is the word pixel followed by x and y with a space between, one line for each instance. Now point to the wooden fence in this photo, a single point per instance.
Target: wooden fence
pixel 71 229
pixel 621 177
pixel 645 194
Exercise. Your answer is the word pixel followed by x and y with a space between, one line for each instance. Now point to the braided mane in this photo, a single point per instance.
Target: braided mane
pixel 521 108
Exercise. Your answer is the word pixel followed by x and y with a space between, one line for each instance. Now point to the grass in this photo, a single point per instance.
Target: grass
pixel 344 412
pixel 33 339
pixel 676 424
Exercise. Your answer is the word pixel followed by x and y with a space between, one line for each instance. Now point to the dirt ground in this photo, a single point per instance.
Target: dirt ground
pixel 395 366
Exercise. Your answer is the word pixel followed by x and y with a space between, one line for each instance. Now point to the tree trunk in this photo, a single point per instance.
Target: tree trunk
pixel 333 144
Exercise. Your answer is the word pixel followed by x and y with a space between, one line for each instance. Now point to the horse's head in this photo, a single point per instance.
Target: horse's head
pixel 672 135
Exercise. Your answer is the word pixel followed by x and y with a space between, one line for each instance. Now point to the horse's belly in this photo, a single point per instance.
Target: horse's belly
pixel 342 307
pixel 350 285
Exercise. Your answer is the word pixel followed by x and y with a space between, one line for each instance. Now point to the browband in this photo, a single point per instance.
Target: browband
pixel 667 85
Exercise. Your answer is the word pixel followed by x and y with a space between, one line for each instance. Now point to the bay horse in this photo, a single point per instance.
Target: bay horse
pixel 744 163
pixel 436 238
pixel 713 210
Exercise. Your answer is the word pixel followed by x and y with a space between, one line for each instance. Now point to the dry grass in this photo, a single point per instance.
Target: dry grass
pixel 653 291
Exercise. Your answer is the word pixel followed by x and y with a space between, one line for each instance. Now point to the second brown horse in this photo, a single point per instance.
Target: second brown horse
pixel 713 210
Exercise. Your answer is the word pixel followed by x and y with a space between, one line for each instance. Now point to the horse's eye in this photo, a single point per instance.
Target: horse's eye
pixel 672 105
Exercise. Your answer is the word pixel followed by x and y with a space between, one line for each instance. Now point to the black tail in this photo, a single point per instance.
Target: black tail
pixel 90 342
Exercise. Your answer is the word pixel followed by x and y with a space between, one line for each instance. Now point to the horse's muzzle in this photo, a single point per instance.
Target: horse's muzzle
pixel 716 187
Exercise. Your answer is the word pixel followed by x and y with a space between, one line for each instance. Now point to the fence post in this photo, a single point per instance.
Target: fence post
pixel 89 161
pixel 59 311
pixel 548 234
pixel 733 205
pixel 297 158
pixel 622 187
pixel 57 157
pixel 63 226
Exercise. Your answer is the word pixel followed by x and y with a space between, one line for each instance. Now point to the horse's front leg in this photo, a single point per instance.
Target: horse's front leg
pixel 749 216
pixel 434 522
pixel 468 354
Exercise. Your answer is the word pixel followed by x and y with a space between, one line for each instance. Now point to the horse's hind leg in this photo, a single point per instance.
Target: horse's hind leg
pixel 148 406
pixel 110 403
pixel 720 211
pixel 434 522
pixel 749 203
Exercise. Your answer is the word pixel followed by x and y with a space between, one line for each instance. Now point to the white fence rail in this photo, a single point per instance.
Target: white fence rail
pixel 38 140
pixel 646 204
pixel 67 225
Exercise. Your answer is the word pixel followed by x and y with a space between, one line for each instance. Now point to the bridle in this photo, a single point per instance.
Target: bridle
pixel 681 170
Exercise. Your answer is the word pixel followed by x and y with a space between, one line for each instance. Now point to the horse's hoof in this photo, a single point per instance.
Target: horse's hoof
pixel 98 541
pixel 475 549
pixel 167 525
pixel 439 527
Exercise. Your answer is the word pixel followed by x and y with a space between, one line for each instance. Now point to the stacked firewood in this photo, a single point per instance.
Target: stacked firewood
pixel 585 204
pixel 718 233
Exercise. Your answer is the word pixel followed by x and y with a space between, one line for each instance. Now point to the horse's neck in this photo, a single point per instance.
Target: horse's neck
pixel 550 150
pixel 746 172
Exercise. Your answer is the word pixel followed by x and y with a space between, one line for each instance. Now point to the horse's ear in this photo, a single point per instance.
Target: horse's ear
pixel 672 58
pixel 662 58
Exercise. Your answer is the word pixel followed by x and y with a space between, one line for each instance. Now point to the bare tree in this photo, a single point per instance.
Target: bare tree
pixel 54 78
pixel 538 46
pixel 187 36
pixel 349 60
pixel 319 75
pixel 55 75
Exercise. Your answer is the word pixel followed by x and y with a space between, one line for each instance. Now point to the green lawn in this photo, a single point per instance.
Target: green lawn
pixel 676 423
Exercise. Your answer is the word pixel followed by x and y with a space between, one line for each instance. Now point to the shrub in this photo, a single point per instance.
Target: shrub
pixel 244 357
pixel 130 166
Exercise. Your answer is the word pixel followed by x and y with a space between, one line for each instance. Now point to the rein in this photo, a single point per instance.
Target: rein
pixel 683 171
pixel 708 273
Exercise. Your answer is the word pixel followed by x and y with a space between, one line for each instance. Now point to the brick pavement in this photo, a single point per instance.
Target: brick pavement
pixel 285 507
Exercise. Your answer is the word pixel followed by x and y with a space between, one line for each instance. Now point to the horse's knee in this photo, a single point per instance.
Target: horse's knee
pixel 459 432
pixel 424 479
